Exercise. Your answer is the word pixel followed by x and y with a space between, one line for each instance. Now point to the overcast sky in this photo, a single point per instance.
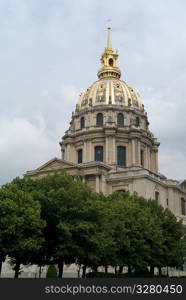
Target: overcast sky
pixel 50 52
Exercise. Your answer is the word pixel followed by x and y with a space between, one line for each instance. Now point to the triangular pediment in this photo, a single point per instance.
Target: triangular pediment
pixel 55 164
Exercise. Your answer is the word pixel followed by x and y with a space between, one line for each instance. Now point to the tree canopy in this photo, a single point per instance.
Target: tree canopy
pixel 58 220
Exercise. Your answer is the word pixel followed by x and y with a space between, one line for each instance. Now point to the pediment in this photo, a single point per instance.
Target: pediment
pixel 55 164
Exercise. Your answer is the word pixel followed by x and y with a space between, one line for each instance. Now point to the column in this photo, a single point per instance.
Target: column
pixel 153 161
pixel 138 153
pixel 73 154
pixel 90 151
pixel 156 160
pixel 133 152
pixel 113 150
pixel 146 157
pixel 68 152
pixel 85 151
pixel 97 183
pixel 149 156
pixel 103 188
pixel 107 149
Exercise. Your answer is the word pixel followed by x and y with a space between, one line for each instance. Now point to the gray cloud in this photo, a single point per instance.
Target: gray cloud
pixel 50 52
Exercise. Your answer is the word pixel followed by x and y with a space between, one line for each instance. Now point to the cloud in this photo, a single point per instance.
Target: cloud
pixel 27 143
pixel 23 146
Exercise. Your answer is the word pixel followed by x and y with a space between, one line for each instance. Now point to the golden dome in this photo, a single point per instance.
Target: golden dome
pixel 110 92
pixel 109 89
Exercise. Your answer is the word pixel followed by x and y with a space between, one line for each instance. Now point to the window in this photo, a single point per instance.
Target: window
pixel 183 209
pixel 84 102
pixel 80 156
pixel 111 62
pixel 99 153
pixel 100 98
pixel 99 119
pixel 129 102
pixel 137 122
pixel 119 99
pixel 157 196
pixel 167 200
pixel 120 191
pixel 142 157
pixel 121 156
pixel 82 122
pixel 120 119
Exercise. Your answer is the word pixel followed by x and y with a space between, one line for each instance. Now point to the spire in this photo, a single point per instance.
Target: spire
pixel 109 39
pixel 109 68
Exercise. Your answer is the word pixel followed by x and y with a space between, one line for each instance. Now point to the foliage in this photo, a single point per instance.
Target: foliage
pixel 20 224
pixel 57 219
pixel 51 272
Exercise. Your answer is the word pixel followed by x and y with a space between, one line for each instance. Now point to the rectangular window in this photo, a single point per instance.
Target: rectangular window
pixel 80 156
pixel 121 156
pixel 157 196
pixel 142 158
pixel 98 153
pixel 183 209
pixel 99 119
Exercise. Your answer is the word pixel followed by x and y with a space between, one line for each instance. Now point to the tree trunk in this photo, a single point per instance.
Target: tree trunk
pixel 60 267
pixel 84 271
pixel 152 270
pixel 116 271
pixel 160 272
pixel 17 269
pixel 120 269
pixel 39 271
pixel 106 269
pixel 79 269
pixel 1 262
pixel 95 268
pixel 129 269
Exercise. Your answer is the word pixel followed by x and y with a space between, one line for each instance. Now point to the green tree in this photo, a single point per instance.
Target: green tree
pixel 170 252
pixel 94 230
pixel 145 233
pixel 73 215
pixel 20 225
pixel 51 272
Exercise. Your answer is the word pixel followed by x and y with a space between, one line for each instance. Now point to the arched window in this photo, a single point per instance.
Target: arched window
pixel 121 156
pixel 99 119
pixel 80 156
pixel 111 62
pixel 137 122
pixel 98 153
pixel 82 122
pixel 120 119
